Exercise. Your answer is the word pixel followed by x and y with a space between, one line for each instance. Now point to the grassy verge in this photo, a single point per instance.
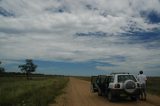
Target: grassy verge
pixel 35 92
pixel 153 85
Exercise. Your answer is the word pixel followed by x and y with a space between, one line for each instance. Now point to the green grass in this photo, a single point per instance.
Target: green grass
pixel 153 85
pixel 36 92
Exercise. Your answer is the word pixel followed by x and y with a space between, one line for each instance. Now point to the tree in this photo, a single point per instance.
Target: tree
pixel 28 68
pixel 2 70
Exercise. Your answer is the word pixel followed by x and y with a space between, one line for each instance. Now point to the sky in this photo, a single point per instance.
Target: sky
pixel 81 37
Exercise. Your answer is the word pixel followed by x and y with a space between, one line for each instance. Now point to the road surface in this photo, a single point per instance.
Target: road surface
pixel 78 94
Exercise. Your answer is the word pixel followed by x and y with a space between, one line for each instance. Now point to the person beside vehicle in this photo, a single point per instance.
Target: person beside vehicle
pixel 142 80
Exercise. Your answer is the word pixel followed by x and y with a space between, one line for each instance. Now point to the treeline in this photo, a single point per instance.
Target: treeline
pixel 19 74
pixel 2 70
pixel 27 69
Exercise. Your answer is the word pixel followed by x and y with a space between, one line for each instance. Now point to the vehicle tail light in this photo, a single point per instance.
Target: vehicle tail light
pixel 117 86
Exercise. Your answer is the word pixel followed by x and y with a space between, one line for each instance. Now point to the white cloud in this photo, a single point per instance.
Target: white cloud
pixel 35 32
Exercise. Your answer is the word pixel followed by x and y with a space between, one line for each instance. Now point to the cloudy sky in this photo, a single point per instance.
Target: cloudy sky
pixel 81 37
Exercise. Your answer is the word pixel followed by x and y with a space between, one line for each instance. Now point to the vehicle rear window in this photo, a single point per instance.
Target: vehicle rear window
pixel 123 78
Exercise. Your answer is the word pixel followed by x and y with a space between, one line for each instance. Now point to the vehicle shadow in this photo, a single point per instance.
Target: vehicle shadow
pixel 123 100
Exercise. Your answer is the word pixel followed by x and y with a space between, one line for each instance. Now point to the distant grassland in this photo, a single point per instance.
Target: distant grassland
pixel 36 92
pixel 84 78
pixel 153 84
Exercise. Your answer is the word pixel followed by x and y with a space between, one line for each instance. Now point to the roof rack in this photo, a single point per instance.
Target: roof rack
pixel 119 73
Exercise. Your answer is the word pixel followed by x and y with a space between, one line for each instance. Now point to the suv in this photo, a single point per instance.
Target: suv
pixel 124 85
pixel 118 85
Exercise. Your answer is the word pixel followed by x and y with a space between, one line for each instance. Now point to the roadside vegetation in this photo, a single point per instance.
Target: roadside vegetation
pixel 40 91
pixel 153 85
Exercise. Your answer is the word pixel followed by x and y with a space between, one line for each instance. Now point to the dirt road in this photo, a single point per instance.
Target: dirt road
pixel 78 94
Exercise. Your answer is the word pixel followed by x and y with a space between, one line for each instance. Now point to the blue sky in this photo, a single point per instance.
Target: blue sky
pixel 84 37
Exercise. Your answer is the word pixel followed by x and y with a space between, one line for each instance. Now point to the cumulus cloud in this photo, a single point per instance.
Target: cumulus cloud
pixel 48 30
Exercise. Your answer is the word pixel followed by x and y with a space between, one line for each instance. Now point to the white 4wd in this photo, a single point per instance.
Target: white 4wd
pixel 123 84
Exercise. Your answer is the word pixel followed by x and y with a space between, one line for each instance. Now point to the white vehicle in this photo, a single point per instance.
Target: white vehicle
pixel 123 85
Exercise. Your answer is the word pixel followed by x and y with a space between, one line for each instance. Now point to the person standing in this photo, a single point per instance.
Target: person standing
pixel 142 80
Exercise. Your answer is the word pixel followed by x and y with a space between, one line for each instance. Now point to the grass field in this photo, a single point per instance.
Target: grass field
pixel 36 92
pixel 84 78
pixel 153 85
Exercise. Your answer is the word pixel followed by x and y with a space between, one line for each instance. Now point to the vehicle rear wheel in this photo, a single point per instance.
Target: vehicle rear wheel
pixel 134 98
pixel 110 96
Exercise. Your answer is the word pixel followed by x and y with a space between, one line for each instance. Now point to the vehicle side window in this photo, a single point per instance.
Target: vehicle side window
pixel 98 81
pixel 106 80
pixel 111 79
pixel 121 78
pixel 102 79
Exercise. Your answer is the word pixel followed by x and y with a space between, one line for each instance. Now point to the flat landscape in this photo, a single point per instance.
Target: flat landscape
pixel 50 50
pixel 64 91
pixel 78 94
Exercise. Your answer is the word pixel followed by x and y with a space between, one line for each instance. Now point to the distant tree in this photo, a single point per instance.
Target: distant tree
pixel 28 68
pixel 2 70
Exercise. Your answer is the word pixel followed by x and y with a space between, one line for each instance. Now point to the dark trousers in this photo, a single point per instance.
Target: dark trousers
pixel 143 93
